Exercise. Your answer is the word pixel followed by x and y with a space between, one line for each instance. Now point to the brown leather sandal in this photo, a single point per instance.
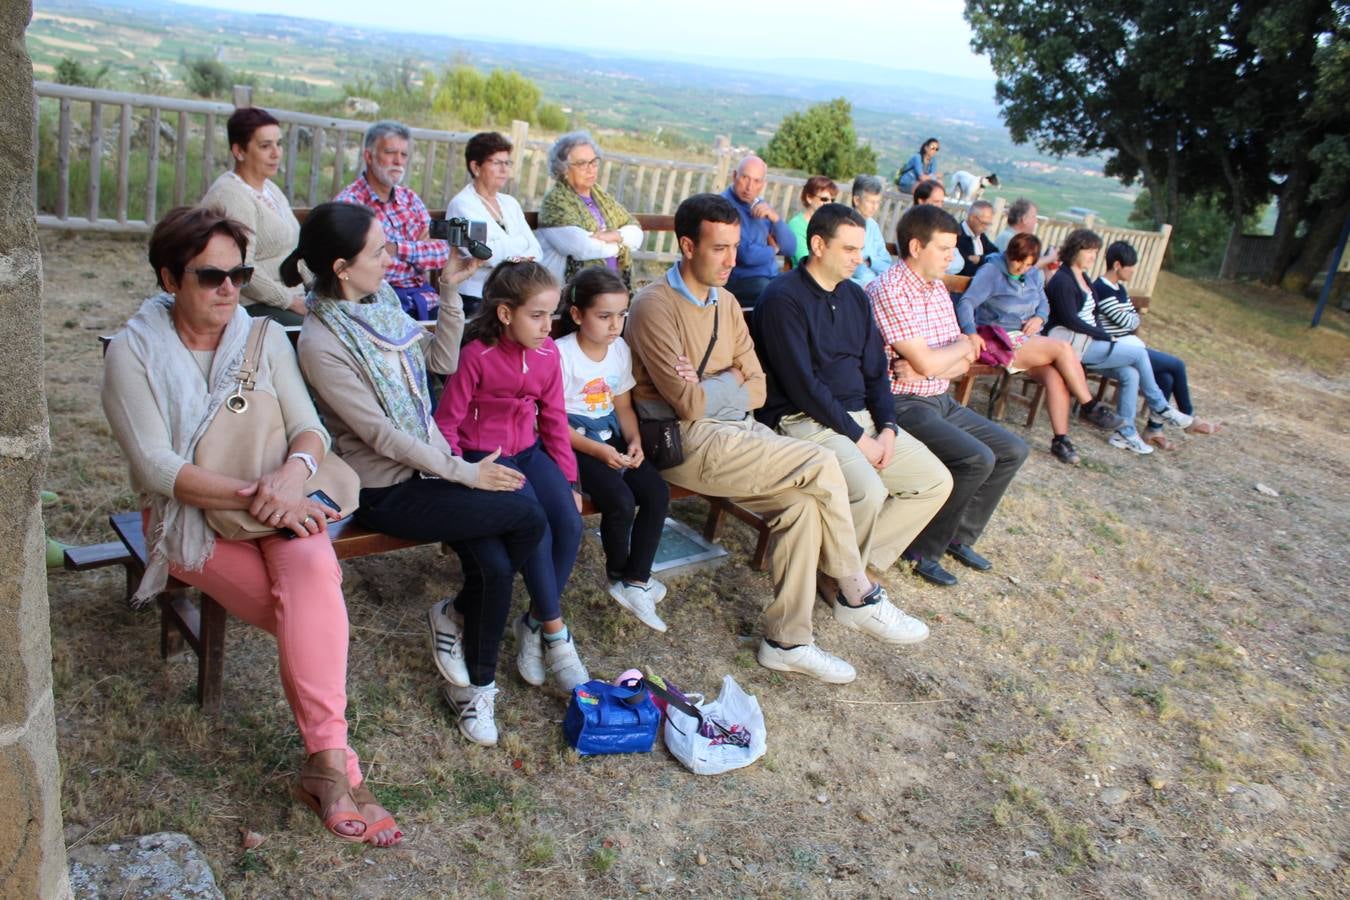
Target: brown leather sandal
pixel 1199 426
pixel 1159 440
pixel 363 797
pixel 336 787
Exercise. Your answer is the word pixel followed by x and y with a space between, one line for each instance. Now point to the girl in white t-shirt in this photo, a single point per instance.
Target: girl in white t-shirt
pixel 630 493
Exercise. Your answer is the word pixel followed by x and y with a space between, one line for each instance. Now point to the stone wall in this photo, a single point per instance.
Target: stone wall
pixel 32 850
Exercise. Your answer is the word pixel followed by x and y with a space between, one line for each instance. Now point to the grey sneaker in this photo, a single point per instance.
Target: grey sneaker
pixel 1132 442
pixel 529 652
pixel 883 620
pixel 447 642
pixel 638 600
pixel 807 659
pixel 1103 418
pixel 476 708
pixel 1174 416
pixel 565 670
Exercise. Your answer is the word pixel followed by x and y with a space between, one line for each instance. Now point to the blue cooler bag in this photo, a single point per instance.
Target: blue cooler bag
pixel 606 718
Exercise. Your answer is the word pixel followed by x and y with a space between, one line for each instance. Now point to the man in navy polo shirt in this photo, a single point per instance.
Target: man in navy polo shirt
pixel 828 383
pixel 756 259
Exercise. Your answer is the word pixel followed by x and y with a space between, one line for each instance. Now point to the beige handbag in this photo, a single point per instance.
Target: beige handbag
pixel 247 439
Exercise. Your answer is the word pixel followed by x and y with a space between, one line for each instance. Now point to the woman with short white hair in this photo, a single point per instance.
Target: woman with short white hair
pixel 579 224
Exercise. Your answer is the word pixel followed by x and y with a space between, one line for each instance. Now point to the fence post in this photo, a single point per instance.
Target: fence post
pixel 243 96
pixel 1000 210
pixel 520 133
pixel 722 177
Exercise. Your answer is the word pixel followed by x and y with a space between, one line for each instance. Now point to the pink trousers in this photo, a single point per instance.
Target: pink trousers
pixel 292 589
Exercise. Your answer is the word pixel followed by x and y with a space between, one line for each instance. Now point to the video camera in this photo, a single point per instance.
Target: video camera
pixel 462 233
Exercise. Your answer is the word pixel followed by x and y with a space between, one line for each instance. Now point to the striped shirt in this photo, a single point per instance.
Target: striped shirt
pixel 1115 311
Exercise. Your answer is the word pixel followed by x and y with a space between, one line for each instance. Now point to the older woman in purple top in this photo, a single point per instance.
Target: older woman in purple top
pixel 579 224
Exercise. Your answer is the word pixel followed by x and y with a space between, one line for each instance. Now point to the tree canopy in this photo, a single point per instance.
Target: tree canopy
pixel 1244 101
pixel 821 141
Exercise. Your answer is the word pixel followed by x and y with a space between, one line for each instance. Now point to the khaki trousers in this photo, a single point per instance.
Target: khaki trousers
pixel 889 506
pixel 798 489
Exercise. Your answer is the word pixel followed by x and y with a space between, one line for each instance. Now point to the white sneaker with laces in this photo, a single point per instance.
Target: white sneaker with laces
pixel 529 652
pixel 807 659
pixel 565 669
pixel 1174 416
pixel 1132 442
pixel 638 600
pixel 883 620
pixel 447 642
pixel 477 710
pixel 658 590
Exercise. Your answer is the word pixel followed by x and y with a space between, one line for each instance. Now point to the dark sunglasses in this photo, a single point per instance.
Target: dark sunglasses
pixel 211 277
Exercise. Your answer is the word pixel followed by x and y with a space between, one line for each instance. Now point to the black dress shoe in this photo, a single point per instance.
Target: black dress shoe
pixel 966 554
pixel 932 571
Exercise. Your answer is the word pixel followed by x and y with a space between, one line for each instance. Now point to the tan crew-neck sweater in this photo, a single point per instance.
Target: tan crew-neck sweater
pixel 274 236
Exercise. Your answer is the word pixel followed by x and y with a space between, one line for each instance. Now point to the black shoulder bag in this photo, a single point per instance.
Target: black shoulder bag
pixel 661 442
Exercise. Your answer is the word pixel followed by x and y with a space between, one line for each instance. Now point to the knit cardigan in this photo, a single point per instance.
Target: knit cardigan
pixel 274 237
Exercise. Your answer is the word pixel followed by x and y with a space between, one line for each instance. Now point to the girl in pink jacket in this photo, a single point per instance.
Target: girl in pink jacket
pixel 507 398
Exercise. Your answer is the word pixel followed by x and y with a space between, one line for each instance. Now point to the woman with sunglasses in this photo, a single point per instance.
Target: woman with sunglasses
pixel 922 166
pixel 579 224
pixel 246 194
pixel 817 191
pixel 487 156
pixel 166 375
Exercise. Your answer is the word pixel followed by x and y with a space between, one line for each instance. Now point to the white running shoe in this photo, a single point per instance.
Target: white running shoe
pixel 565 670
pixel 1132 442
pixel 476 708
pixel 638 600
pixel 1174 416
pixel 529 652
pixel 658 590
pixel 807 659
pixel 883 620
pixel 447 642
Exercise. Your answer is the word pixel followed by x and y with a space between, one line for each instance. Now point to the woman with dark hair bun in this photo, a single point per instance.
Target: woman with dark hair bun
pixel 247 194
pixel 367 362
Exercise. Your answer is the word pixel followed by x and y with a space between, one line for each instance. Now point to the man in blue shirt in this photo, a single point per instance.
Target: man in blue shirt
pixel 756 259
pixel 828 383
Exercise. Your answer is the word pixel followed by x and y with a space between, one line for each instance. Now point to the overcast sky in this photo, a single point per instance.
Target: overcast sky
pixel 929 35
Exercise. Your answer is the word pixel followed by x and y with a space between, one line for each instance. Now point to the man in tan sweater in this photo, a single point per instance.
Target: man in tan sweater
pixel 795 485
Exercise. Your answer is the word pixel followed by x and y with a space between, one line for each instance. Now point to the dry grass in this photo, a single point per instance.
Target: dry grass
pixel 1153 625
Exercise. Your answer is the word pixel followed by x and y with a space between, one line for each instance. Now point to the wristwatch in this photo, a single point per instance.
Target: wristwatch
pixel 892 427
pixel 307 460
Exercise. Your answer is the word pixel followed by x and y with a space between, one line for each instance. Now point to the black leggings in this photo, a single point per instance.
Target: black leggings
pixel 493 532
pixel 632 504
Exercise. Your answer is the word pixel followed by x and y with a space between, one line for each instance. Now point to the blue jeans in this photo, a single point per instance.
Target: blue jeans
pixel 1171 375
pixel 1127 360
pixel 550 565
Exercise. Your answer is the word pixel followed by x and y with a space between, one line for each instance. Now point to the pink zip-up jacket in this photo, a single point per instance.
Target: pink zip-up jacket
pixel 506 396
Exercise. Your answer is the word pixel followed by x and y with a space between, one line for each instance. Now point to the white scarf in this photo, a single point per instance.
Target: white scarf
pixel 178 533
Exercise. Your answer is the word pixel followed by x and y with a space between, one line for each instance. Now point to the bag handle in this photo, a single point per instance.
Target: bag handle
pixel 252 361
pixel 673 699
pixel 717 316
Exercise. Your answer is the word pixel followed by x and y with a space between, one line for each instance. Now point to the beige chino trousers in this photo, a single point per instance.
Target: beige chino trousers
pixel 890 506
pixel 798 489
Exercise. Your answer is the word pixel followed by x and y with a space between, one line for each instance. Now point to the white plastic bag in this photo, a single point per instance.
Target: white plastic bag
pixel 735 723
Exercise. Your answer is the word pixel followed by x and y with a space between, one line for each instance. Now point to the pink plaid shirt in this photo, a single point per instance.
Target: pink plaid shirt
pixel 907 307
pixel 404 218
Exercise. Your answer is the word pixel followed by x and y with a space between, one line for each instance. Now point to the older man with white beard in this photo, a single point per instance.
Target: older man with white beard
pixel 403 215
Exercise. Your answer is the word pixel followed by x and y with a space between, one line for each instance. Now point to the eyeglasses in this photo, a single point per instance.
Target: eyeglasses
pixel 211 277
pixel 824 198
pixel 592 163
pixel 499 163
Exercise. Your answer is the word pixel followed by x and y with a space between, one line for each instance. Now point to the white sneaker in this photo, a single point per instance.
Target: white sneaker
pixel 883 620
pixel 565 670
pixel 529 652
pixel 1132 442
pixel 658 590
pixel 1174 416
pixel 476 707
pixel 638 600
pixel 807 659
pixel 447 642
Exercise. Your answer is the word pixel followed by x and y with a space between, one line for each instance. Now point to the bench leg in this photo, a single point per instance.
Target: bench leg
pixel 758 562
pixel 714 520
pixel 963 389
pixel 1034 405
pixel 211 657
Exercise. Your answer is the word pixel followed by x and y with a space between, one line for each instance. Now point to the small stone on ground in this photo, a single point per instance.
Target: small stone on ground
pixel 167 865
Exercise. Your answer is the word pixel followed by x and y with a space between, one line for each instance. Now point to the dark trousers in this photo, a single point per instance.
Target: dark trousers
pixel 747 290
pixel 982 457
pixel 550 565
pixel 632 504
pixel 1170 373
pixel 492 532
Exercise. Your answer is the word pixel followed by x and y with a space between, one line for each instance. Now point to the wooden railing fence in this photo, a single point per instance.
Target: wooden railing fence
pixel 114 161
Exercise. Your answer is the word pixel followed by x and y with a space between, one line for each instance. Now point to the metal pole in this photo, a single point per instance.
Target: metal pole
pixel 1331 273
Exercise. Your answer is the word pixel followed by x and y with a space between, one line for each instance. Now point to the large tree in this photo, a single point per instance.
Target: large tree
pixel 1190 97
pixel 821 141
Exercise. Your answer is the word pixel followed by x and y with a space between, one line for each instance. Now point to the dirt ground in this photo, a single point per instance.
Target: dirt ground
pixel 1147 697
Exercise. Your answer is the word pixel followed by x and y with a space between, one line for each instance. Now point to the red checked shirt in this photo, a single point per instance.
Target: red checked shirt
pixel 907 307
pixel 405 219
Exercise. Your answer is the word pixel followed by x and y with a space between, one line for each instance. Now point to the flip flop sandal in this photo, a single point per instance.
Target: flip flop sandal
pixel 362 795
pixel 337 787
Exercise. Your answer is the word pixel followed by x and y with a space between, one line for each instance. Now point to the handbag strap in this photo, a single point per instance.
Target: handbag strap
pixel 679 702
pixel 247 374
pixel 717 315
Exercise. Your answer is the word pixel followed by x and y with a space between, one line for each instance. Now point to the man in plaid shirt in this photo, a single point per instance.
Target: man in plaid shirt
pixel 918 323
pixel 402 214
